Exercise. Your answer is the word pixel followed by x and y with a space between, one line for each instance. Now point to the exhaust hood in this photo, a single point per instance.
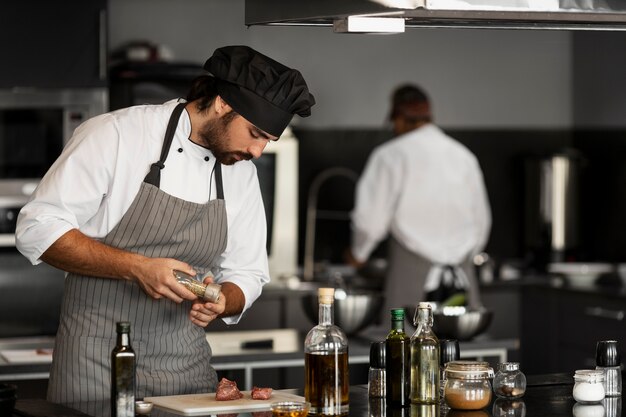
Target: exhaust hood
pixel 371 16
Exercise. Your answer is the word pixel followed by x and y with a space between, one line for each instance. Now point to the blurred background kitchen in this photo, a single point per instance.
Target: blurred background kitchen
pixel 543 110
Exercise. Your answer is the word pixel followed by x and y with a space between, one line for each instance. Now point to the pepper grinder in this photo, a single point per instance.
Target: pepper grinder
pixel 449 352
pixel 608 360
pixel 377 380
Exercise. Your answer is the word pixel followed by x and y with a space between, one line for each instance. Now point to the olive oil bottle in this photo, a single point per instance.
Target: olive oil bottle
pixel 327 381
pixel 397 351
pixel 123 374
pixel 424 359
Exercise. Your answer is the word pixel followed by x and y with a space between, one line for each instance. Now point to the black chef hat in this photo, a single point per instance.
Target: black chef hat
pixel 263 91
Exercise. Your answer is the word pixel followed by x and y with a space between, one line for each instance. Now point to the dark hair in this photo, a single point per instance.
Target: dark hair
pixel 204 88
pixel 408 93
pixel 410 102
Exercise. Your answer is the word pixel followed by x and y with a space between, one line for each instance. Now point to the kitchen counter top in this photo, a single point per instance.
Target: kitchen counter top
pixel 546 395
pixel 556 282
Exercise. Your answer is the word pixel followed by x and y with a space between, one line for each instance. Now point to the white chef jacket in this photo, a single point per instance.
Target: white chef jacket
pixel 99 173
pixel 427 190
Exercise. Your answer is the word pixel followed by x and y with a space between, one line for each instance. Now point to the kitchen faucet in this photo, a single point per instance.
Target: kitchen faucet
pixel 312 214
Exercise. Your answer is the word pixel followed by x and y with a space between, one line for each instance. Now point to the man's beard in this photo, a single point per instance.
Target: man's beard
pixel 215 136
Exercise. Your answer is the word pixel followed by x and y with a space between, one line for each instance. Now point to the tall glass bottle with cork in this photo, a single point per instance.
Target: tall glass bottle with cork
pixel 327 381
pixel 398 361
pixel 424 359
pixel 123 374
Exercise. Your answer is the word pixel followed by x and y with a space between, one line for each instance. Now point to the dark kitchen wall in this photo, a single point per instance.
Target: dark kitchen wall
pixel 501 154
pixel 505 93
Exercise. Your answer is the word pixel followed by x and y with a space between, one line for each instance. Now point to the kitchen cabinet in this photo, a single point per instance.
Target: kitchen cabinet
pixel 561 326
pixel 53 44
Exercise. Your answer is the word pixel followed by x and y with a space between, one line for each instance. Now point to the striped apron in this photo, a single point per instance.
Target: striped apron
pixel 173 356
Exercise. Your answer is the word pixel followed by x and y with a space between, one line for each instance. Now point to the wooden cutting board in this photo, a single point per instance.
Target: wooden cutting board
pixel 199 404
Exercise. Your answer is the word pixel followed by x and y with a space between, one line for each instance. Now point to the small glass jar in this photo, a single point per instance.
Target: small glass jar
pixel 467 385
pixel 509 382
pixel 588 386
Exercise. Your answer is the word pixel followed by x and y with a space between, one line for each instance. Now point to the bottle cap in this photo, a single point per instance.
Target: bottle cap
pixel 424 304
pixel 377 355
pixel 326 295
pixel 123 327
pixel 397 314
pixel 449 351
pixel 607 354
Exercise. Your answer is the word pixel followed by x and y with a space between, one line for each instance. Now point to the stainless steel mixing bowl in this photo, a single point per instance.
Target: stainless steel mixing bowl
pixel 353 312
pixel 461 323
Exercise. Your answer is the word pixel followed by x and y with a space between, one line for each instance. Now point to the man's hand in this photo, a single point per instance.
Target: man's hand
pixel 156 277
pixel 202 312
pixel 79 254
pixel 231 303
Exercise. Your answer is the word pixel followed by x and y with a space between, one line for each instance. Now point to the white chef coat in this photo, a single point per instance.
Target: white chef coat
pixel 96 178
pixel 427 191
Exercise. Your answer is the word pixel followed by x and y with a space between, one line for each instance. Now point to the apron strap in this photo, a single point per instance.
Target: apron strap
pixel 154 176
pixel 218 181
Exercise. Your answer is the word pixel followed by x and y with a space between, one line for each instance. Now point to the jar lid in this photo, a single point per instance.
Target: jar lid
pixel 509 366
pixel 468 370
pixel 589 375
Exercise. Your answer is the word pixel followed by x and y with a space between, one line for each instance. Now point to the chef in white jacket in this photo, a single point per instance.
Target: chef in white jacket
pixel 426 192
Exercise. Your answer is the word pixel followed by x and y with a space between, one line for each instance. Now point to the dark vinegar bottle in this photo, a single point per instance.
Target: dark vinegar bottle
pixel 327 381
pixel 123 374
pixel 398 362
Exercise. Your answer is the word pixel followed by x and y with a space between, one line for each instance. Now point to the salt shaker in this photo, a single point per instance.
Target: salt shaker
pixel 376 384
pixel 608 360
pixel 588 386
pixel 509 382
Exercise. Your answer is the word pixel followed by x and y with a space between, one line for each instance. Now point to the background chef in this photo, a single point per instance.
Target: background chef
pixel 143 191
pixel 426 191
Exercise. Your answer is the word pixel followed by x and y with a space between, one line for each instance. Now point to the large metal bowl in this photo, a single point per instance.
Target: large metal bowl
pixel 353 312
pixel 460 323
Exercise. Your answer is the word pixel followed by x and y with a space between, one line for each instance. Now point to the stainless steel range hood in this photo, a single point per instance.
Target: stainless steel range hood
pixel 605 15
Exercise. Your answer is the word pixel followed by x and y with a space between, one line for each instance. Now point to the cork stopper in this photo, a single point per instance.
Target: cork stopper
pixel 424 304
pixel 326 295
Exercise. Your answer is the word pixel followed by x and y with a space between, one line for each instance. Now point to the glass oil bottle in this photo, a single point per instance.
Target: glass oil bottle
pixel 424 359
pixel 327 380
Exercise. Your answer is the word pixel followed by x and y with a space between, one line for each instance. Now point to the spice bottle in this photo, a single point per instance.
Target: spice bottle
pixel 424 359
pixel 207 292
pixel 467 385
pixel 588 386
pixel 608 360
pixel 376 378
pixel 397 362
pixel 123 374
pixel 509 382
pixel 327 381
